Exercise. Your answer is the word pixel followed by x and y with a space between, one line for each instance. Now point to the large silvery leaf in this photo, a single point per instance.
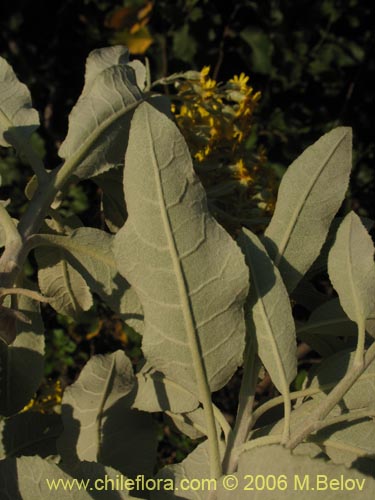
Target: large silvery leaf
pixel 88 253
pixel 21 363
pixel 65 288
pixel 155 392
pixel 326 345
pixel 300 414
pixel 99 122
pixel 333 369
pixel 32 478
pixel 351 269
pixel 330 319
pixel 309 197
pixel 328 329
pixel 320 264
pixel 98 422
pixel 101 59
pixel 193 423
pixel 112 198
pixel 17 117
pixel 29 433
pixel 188 273
pixel 292 477
pixel 346 442
pixel 194 467
pixel 271 314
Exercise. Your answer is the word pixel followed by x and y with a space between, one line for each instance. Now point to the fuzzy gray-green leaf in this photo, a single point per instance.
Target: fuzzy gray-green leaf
pixel 22 362
pixel 193 423
pixel 99 122
pixel 271 314
pixel 155 392
pixel 333 369
pixel 330 319
pixel 320 264
pixel 17 117
pixel 32 478
pixel 101 59
pixel 29 433
pixel 344 443
pixel 113 203
pixel 99 424
pixel 67 291
pixel 189 274
pixel 309 197
pixel 86 252
pixel 194 467
pixel 351 269
pixel 277 462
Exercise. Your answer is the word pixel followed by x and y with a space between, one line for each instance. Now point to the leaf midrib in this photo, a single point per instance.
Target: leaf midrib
pixel 267 323
pixel 176 261
pixel 103 400
pixel 357 306
pixel 79 154
pixel 188 316
pixel 300 205
pixel 318 324
pixel 68 284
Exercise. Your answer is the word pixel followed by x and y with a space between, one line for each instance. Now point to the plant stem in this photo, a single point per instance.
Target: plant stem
pixel 293 395
pixel 287 415
pixel 12 260
pixel 23 291
pixel 42 199
pixel 359 353
pixel 346 417
pixel 262 441
pixel 313 423
pixel 244 418
pixel 180 418
pixel 221 420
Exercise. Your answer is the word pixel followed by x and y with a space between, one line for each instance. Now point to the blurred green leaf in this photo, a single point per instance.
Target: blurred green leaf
pixel 261 49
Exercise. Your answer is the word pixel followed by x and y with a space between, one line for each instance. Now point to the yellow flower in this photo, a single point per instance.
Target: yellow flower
pixel 203 154
pixel 208 85
pixel 216 120
pixel 240 81
pixel 50 396
pixel 204 73
pixel 202 111
pixel 256 96
pixel 242 174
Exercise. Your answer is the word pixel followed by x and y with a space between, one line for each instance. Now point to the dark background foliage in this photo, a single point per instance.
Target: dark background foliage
pixel 313 62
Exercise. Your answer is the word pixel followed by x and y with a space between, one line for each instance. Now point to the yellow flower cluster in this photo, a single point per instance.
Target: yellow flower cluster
pixel 48 399
pixel 217 123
